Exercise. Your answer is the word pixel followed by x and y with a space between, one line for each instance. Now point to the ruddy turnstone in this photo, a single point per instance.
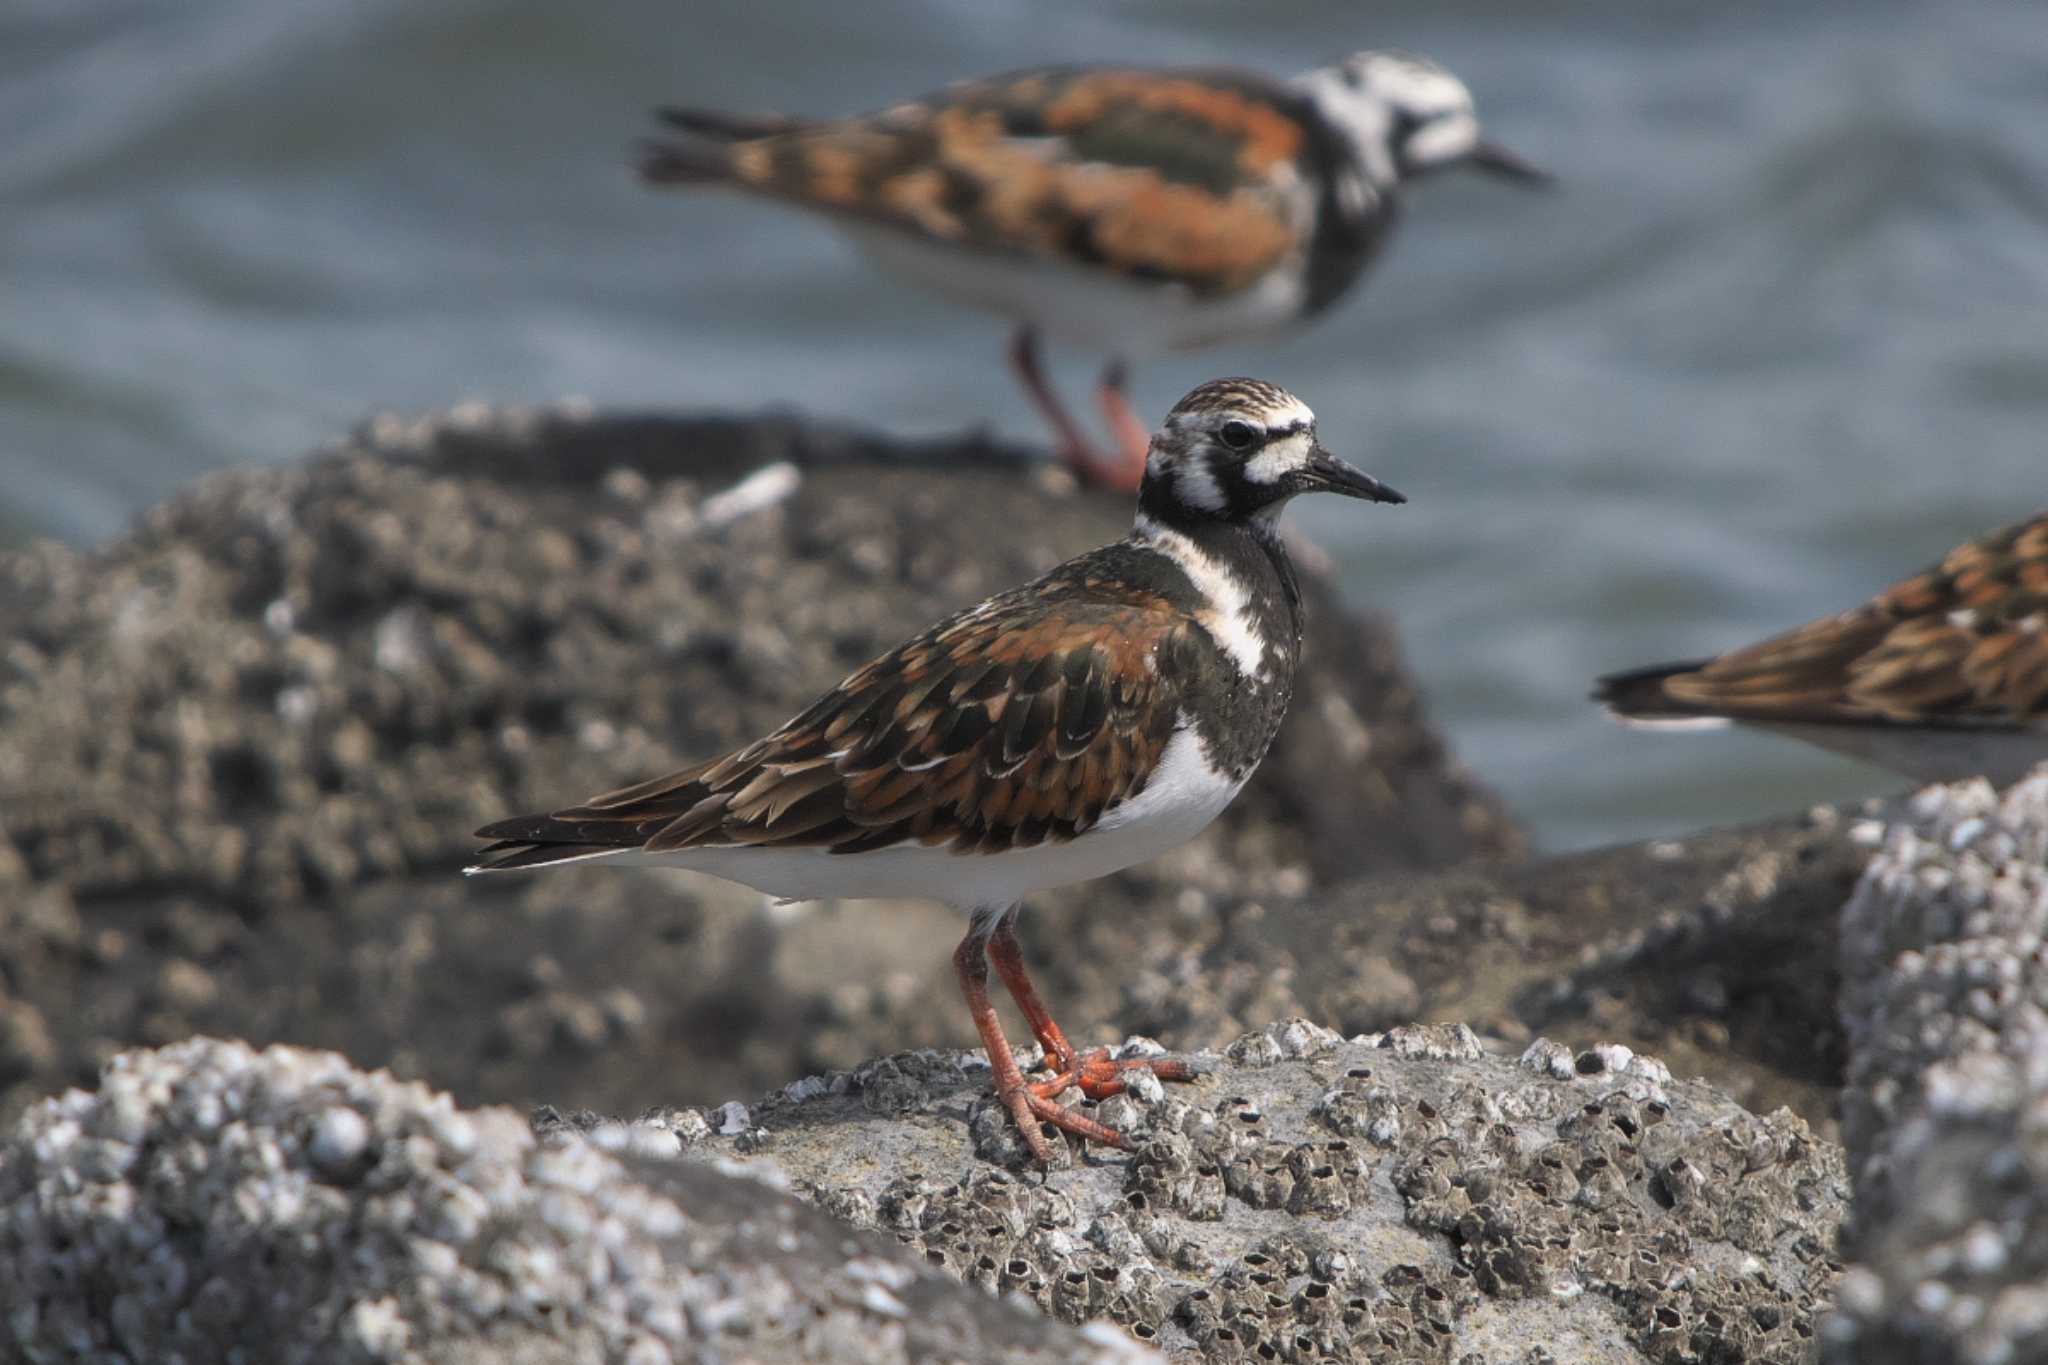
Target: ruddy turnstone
pixel 1128 210
pixel 1941 677
pixel 1089 720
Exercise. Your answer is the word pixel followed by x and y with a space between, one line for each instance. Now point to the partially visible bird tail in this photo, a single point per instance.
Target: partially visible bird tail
pixel 684 163
pixel 720 126
pixel 511 855
pixel 1639 697
pixel 705 156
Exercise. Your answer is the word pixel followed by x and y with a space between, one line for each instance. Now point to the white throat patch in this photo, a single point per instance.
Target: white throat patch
pixel 1226 611
pixel 1195 485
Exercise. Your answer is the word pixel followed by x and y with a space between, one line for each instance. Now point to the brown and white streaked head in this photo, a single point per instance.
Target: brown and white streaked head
pixel 1236 450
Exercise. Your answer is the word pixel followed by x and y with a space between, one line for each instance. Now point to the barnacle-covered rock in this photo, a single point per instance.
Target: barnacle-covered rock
pixel 212 1202
pixel 1946 1112
pixel 1610 1215
pixel 1604 1212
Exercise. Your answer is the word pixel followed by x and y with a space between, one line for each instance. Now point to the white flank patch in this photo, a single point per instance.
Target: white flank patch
pixel 1184 793
pixel 1228 615
pixel 1284 456
pixel 1089 307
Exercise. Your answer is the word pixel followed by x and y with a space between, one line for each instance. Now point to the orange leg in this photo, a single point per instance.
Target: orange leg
pixel 1075 448
pixel 1133 441
pixel 1098 1075
pixel 1025 1104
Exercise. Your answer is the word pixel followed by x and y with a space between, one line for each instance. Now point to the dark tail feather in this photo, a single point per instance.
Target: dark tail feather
pixel 684 163
pixel 724 127
pixel 1639 694
pixel 511 856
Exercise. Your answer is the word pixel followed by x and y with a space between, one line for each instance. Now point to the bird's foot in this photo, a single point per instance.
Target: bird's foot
pixel 1099 1075
pixel 1030 1109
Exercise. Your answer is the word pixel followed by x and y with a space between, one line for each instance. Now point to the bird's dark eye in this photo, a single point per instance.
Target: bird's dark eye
pixel 1237 435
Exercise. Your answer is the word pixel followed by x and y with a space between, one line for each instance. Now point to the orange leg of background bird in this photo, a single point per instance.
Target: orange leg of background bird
pixel 1025 1104
pixel 1095 1071
pixel 1133 441
pixel 1075 448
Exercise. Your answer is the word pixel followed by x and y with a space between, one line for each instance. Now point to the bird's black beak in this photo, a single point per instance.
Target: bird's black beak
pixel 1325 473
pixel 1497 160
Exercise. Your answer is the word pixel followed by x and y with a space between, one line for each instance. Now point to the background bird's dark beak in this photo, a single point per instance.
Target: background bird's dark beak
pixel 1328 474
pixel 1495 159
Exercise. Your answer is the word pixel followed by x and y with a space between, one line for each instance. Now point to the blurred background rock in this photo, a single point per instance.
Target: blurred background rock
pixel 1774 341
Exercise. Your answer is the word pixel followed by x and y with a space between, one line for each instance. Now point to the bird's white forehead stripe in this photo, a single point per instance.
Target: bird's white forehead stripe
pixel 1280 457
pixel 1421 86
pixel 1293 412
pixel 1228 617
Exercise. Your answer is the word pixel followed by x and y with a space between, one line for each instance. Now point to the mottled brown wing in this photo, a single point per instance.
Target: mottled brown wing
pixel 1005 727
pixel 1153 175
pixel 1965 643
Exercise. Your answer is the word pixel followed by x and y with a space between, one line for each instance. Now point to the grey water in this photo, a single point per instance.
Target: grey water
pixel 1775 340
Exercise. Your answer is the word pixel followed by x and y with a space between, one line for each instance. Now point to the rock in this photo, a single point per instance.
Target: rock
pixel 211 1201
pixel 1409 1199
pixel 1717 953
pixel 259 729
pixel 616 989
pixel 1946 1110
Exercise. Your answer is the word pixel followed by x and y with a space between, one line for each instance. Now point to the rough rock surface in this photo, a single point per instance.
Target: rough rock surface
pixel 210 1203
pixel 1405 1197
pixel 1945 960
pixel 1399 1197
pixel 296 683
pixel 1716 952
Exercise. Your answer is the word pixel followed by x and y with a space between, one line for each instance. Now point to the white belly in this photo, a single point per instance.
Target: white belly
pixel 1932 755
pixel 1084 306
pixel 1183 796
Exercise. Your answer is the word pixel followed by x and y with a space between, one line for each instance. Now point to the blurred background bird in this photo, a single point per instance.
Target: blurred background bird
pixel 1132 210
pixel 1779 325
pixel 1940 677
